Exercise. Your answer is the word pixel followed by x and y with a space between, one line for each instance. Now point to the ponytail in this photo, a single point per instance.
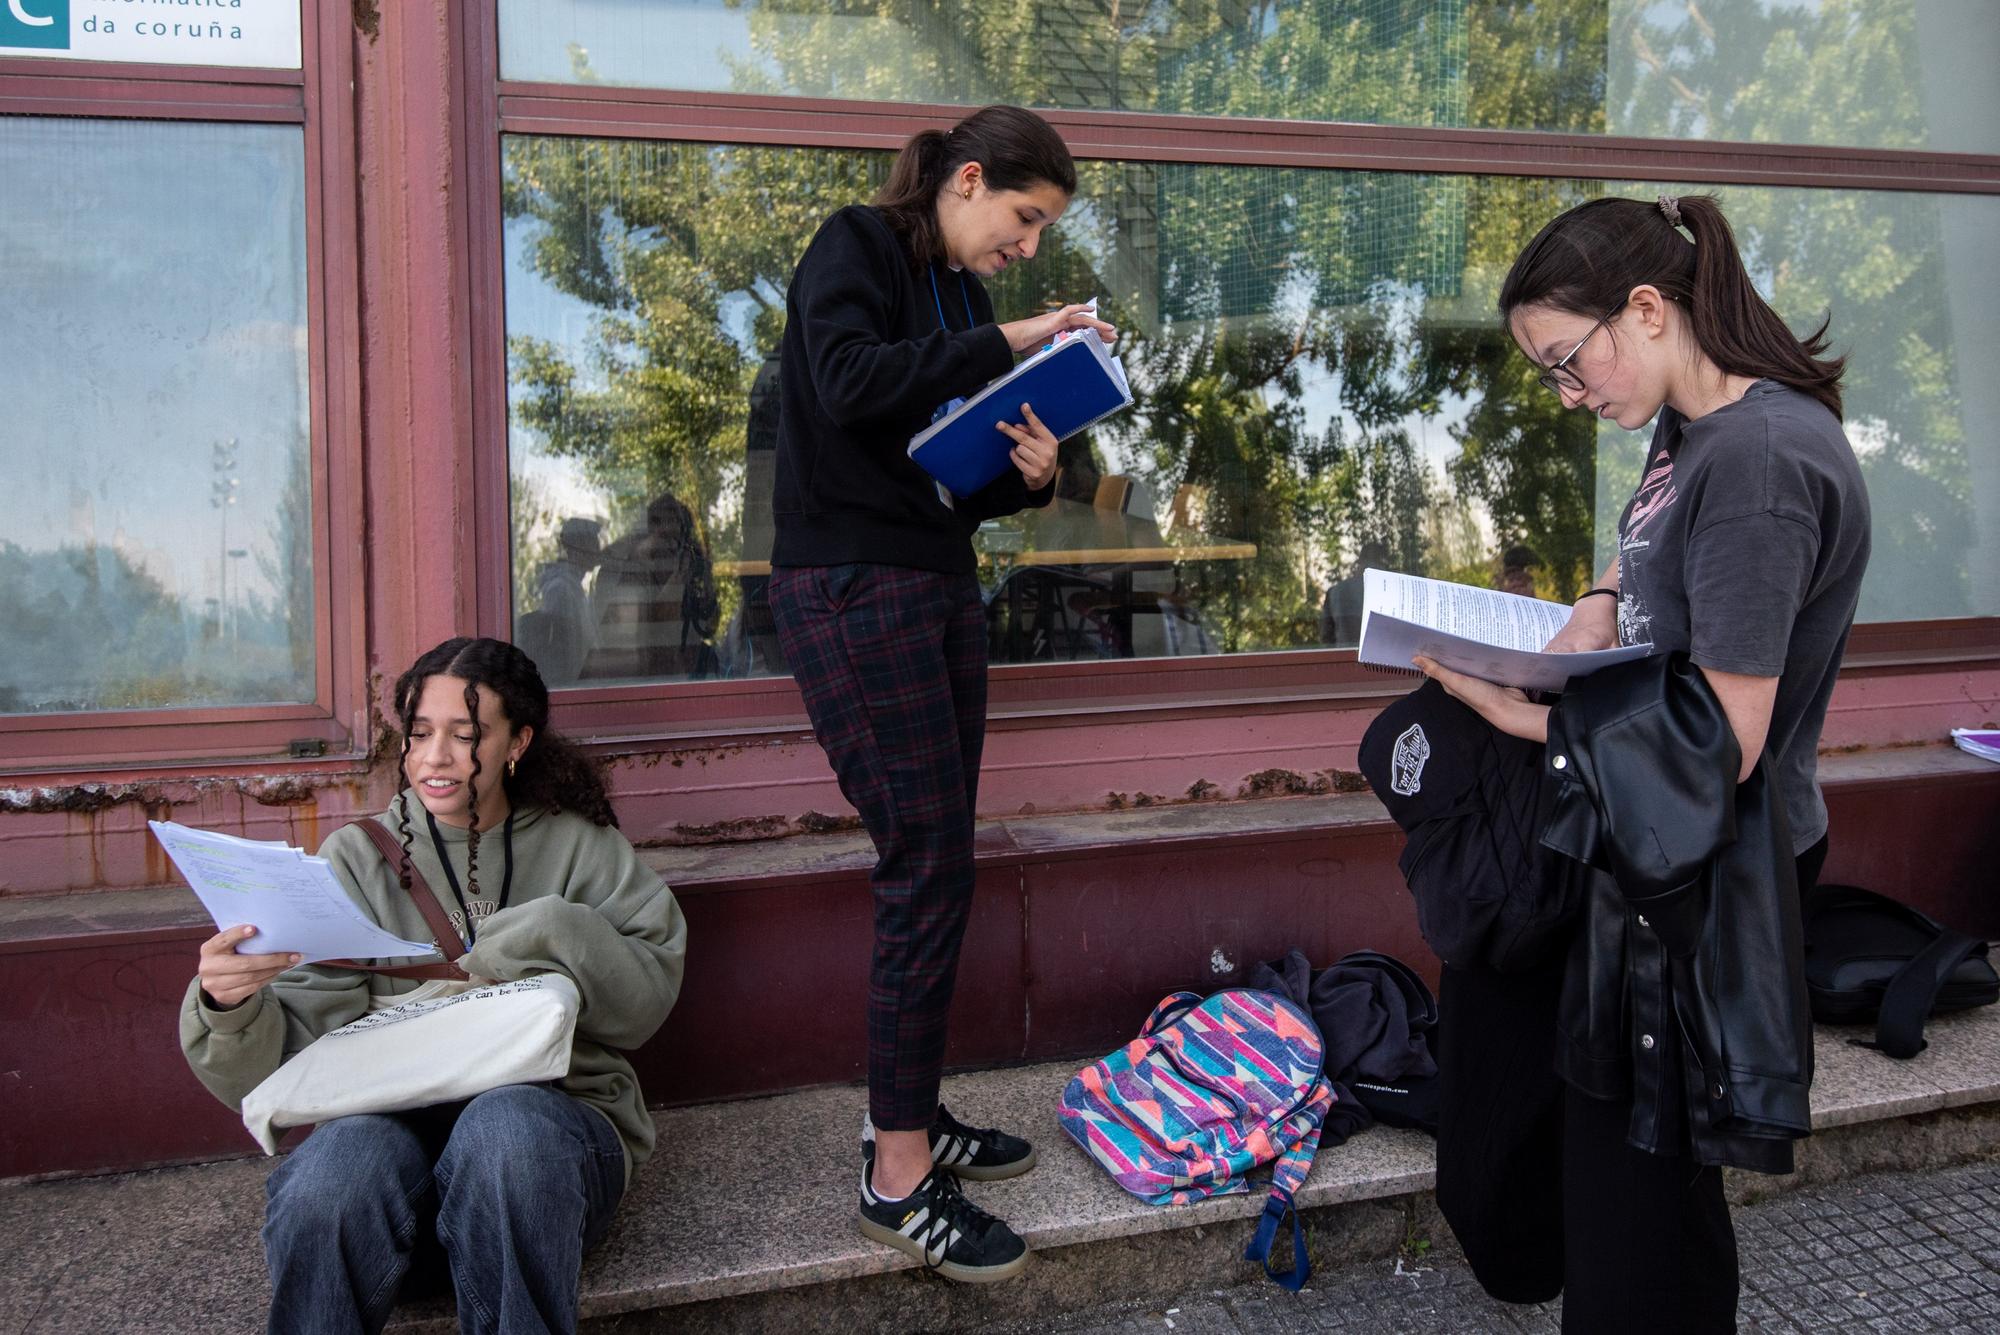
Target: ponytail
pixel 1015 149
pixel 1737 328
pixel 1587 260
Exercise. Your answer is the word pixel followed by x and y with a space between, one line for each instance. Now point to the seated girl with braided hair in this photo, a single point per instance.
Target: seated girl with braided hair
pixel 518 1182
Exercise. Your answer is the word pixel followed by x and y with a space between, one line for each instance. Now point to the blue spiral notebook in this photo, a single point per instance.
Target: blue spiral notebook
pixel 1071 385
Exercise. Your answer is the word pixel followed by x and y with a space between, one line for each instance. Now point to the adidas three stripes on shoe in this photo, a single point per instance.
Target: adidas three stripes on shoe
pixel 942 1229
pixel 976 1154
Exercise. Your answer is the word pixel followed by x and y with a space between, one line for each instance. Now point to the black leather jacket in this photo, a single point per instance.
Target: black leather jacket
pixel 1685 989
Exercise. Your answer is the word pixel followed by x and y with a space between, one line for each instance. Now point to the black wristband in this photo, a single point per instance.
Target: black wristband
pixel 1609 593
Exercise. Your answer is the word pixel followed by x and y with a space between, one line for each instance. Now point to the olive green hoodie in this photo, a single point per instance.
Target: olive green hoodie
pixel 581 904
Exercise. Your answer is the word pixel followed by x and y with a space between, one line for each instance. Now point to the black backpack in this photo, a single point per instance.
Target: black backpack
pixel 1474 802
pixel 1379 1021
pixel 1869 957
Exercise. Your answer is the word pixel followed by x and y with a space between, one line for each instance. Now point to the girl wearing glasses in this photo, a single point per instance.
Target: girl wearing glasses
pixel 1744 547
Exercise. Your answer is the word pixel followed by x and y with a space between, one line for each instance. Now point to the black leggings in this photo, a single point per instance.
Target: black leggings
pixel 1541 1188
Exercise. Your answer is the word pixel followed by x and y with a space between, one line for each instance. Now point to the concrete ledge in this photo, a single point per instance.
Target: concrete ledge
pixel 748 1210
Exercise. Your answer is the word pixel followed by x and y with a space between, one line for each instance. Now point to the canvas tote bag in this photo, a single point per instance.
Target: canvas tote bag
pixel 436 1050
pixel 449 1041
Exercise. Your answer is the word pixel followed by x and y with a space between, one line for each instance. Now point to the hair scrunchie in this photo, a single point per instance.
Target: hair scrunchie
pixel 1670 208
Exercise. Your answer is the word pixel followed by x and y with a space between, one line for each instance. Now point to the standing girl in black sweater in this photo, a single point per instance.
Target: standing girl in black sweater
pixel 879 612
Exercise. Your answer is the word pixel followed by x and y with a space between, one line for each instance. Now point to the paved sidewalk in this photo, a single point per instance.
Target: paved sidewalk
pixel 1902 1253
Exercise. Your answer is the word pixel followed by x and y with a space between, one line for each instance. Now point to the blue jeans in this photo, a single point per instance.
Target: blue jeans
pixel 516 1184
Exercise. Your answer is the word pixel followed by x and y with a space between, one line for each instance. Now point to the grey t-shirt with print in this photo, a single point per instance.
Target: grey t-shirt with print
pixel 1744 546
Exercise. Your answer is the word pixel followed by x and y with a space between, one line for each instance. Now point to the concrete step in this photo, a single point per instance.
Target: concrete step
pixel 744 1221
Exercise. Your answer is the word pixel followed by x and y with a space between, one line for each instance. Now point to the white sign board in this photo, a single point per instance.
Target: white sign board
pixel 258 33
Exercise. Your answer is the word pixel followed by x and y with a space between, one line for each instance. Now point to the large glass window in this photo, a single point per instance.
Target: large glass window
pixel 1866 73
pixel 1322 385
pixel 156 545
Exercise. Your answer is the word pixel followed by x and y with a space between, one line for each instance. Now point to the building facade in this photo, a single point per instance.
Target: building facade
pixel 332 328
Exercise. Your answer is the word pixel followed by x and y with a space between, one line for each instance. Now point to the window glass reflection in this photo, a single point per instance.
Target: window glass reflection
pixel 1322 385
pixel 156 526
pixel 1867 73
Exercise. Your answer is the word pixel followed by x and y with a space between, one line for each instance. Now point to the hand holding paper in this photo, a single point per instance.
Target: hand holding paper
pixel 1040 331
pixel 230 979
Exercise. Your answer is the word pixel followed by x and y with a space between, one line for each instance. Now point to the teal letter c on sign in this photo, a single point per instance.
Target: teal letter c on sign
pixel 41 25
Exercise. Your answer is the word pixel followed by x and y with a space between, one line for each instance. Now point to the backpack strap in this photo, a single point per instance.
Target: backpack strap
pixel 1907 1002
pixel 442 932
pixel 1275 1210
pixel 1287 1177
pixel 1171 1007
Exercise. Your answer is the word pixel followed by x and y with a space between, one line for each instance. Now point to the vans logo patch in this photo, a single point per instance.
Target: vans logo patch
pixel 1406 763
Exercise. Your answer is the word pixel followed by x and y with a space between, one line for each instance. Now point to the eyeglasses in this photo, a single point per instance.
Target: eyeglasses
pixel 1559 377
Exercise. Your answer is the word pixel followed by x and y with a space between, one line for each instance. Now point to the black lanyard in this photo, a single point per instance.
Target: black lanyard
pixel 506 879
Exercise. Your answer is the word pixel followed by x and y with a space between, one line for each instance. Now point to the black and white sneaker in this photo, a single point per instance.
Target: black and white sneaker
pixel 977 1154
pixel 938 1226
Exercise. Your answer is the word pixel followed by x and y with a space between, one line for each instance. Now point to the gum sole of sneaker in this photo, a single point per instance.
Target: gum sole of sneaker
pixel 998 1173
pixel 951 1270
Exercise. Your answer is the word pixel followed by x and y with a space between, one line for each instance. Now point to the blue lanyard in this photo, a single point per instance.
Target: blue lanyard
pixel 963 291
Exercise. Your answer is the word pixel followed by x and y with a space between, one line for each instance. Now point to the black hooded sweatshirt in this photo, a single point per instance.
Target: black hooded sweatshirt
pixel 873 346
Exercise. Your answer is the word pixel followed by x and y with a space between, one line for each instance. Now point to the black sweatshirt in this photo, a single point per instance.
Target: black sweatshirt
pixel 863 367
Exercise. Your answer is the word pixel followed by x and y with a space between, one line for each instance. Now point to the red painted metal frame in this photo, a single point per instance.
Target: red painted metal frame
pixel 1048 695
pixel 636 113
pixel 492 526
pixel 315 97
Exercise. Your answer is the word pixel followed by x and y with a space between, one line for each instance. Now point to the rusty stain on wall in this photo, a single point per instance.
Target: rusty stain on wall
pixel 677 757
pixel 81 797
pixel 816 822
pixel 1276 783
pixel 1290 783
pixel 286 792
pixel 158 798
pixel 748 828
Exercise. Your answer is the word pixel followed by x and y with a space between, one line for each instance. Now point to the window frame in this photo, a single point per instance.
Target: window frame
pixel 317 98
pixel 1044 694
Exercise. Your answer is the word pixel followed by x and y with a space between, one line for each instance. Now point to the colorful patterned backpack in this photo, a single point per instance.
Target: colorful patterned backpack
pixel 1210 1090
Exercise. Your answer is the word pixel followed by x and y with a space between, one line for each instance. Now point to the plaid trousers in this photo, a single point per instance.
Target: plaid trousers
pixel 892 664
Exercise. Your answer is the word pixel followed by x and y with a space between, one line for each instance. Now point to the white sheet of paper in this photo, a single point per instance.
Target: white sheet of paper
pixel 1483 633
pixel 295 902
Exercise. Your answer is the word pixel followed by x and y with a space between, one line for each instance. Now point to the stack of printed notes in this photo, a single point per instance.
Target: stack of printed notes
pixel 1483 633
pixel 295 902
